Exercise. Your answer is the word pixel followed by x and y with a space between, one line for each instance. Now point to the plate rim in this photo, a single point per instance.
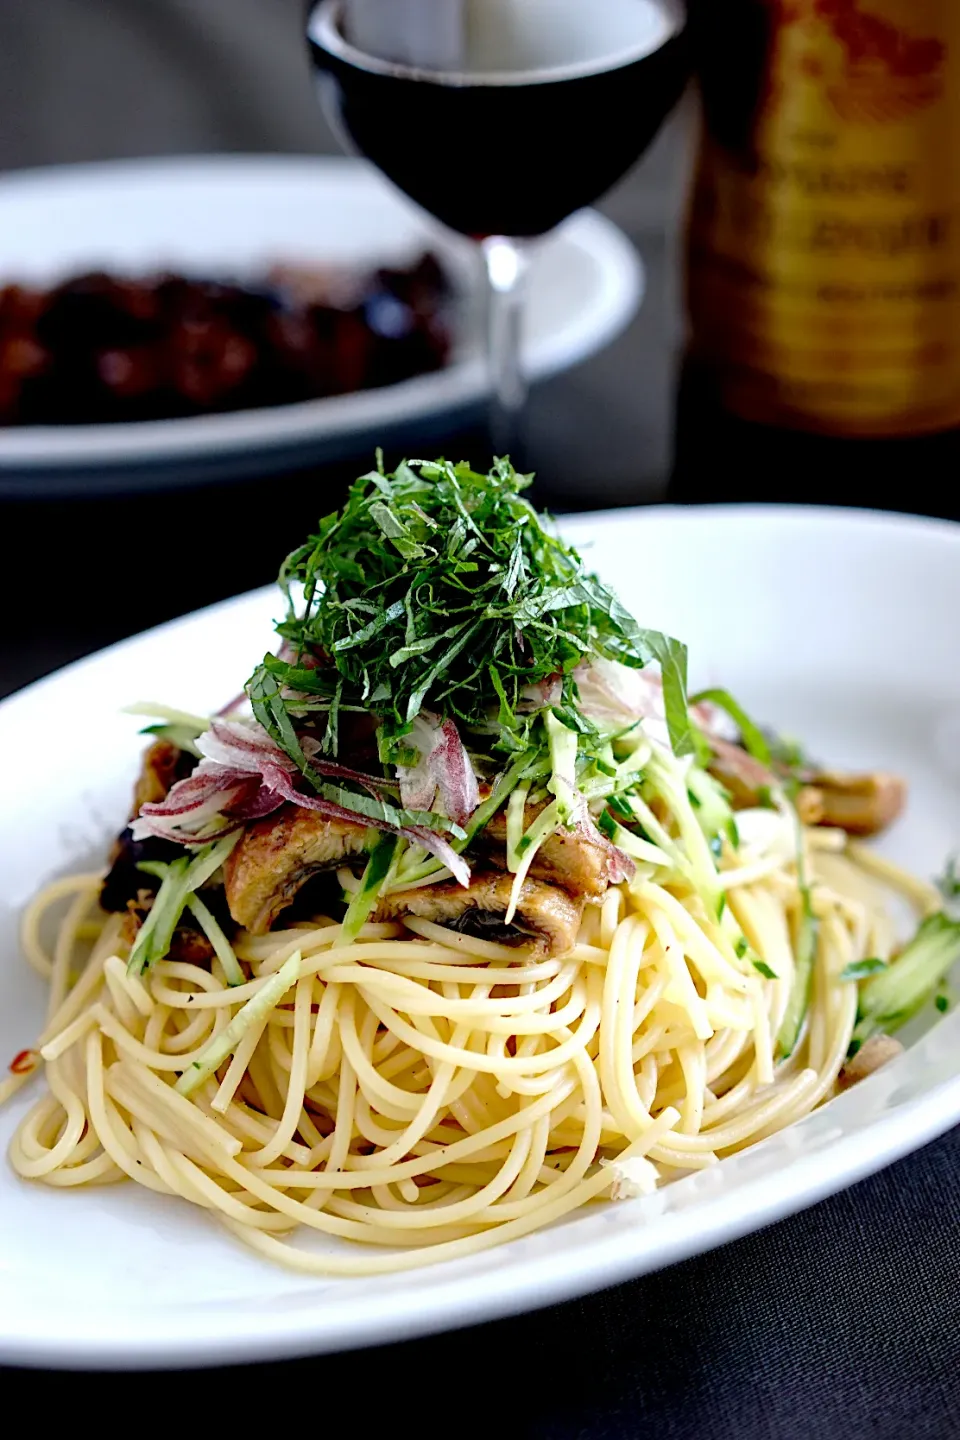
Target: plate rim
pixel 308 1329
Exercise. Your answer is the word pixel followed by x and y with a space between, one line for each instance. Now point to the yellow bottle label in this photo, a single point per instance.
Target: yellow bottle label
pixel 824 243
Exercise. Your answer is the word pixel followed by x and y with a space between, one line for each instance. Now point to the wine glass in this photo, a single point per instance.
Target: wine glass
pixel 501 118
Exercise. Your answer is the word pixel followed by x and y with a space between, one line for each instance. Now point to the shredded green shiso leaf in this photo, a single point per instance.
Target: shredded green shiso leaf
pixel 440 588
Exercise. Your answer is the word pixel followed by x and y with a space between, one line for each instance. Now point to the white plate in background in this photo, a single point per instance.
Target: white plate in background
pixel 234 216
pixel 837 625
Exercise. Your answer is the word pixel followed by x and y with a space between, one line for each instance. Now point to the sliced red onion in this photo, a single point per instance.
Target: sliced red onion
pixel 244 776
pixel 230 786
pixel 233 705
pixel 193 814
pixel 241 745
pixel 443 766
pixel 190 794
pixel 456 780
pixel 223 811
pixel 418 785
pixel 262 801
pixel 155 826
pixel 613 695
pixel 292 656
pixel 246 746
pixel 284 786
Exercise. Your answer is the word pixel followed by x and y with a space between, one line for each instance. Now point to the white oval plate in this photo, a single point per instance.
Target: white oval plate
pixel 233 216
pixel 836 625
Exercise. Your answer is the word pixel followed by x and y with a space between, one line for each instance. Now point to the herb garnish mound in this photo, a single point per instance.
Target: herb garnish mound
pixel 440 588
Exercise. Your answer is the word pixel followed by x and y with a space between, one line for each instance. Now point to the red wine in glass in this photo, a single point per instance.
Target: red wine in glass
pixel 551 103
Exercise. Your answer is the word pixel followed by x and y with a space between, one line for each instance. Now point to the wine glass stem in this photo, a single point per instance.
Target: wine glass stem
pixel 506 264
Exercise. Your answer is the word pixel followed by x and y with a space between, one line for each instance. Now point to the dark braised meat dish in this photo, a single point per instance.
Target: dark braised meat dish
pixel 100 348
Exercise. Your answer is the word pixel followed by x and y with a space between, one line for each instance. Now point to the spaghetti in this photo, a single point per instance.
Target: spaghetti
pixel 430 1094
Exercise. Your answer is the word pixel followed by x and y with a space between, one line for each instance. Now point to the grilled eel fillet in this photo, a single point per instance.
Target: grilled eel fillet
pixel 275 856
pixel 860 804
pixel 280 853
pixel 546 917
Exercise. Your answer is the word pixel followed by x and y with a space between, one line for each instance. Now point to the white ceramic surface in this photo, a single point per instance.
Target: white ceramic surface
pixel 233 216
pixel 836 625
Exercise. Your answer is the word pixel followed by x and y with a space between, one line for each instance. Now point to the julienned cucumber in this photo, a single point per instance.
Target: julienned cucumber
pixel 712 807
pixel 799 1001
pixel 364 899
pixel 889 998
pixel 257 1008
pixel 179 880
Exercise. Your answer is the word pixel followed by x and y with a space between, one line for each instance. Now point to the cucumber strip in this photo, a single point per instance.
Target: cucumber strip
pixel 714 813
pixel 515 812
pixel 180 879
pixel 222 948
pixel 224 1044
pixel 156 932
pixel 564 743
pixel 207 861
pixel 891 996
pixel 541 829
pixel 799 998
pixel 368 893
pixel 183 736
pixel 635 847
pixel 194 723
